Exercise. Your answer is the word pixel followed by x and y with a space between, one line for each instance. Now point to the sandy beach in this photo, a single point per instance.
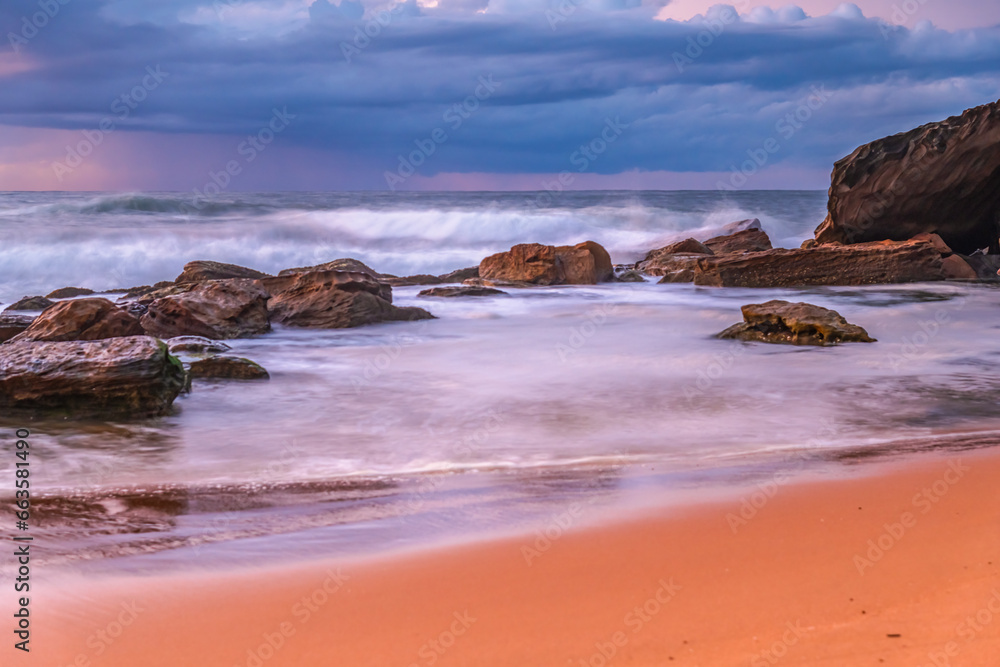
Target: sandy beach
pixel 895 564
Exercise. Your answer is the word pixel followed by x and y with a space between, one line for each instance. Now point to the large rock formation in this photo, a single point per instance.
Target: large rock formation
pixel 115 377
pixel 861 264
pixel 81 319
pixel 794 324
pixel 942 177
pixel 217 309
pixel 586 263
pixel 333 300
pixel 202 270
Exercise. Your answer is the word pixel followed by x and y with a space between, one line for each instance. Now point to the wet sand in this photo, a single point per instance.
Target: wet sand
pixel 897 565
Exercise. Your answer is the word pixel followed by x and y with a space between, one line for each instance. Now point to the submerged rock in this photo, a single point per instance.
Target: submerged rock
pixel 115 377
pixel 630 276
pixel 69 292
pixel 81 319
pixel 227 368
pixel 749 240
pixel 202 270
pixel 30 303
pixel 794 324
pixel 333 300
pixel 860 264
pixel 217 309
pixel 941 177
pixel 586 263
pixel 464 290
pixel 195 345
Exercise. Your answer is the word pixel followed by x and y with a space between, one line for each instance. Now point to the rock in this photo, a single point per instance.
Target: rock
pixel 794 324
pixel 678 268
pixel 12 324
pixel 935 241
pixel 861 264
pixel 202 270
pixel 333 300
pixel 586 263
pixel 217 309
pixel 685 247
pixel 985 266
pixel 69 292
pixel 422 279
pixel 464 290
pixel 30 303
pixel 941 178
pixel 195 345
pixel 114 377
pixel 957 268
pixel 228 368
pixel 630 276
pixel 741 226
pixel 81 319
pixel 142 290
pixel 750 240
pixel 482 282
pixel 460 275
pixel 344 264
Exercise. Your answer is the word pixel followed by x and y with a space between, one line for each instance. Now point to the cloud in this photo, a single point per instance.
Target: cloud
pixel 369 81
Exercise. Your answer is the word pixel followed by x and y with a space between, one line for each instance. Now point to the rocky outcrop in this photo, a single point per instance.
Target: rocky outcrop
pixel 676 258
pixel 741 226
pixel 749 240
pixel 69 293
pixel 115 377
pixel 203 270
pixel 794 324
pixel 861 264
pixel 586 263
pixel 30 303
pixel 463 290
pixel 217 309
pixel 81 319
pixel 12 324
pixel 227 368
pixel 460 275
pixel 345 264
pixel 333 300
pixel 942 177
pixel 629 276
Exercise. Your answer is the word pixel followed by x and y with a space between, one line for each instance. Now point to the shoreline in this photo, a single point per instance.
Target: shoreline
pixel 787 580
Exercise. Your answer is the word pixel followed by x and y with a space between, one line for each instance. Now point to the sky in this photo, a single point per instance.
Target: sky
pixel 269 95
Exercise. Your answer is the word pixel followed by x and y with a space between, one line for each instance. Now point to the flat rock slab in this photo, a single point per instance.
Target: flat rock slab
pixel 228 368
pixel 861 264
pixel 794 324
pixel 116 377
pixel 466 290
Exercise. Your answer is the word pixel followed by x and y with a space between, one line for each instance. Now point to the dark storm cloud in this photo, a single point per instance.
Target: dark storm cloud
pixel 560 77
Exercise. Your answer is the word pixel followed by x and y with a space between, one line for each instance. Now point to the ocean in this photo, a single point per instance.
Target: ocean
pixel 500 401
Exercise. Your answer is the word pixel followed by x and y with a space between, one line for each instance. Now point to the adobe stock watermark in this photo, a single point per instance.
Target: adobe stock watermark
pixel 635 620
pixel 579 335
pixel 968 629
pixel 720 364
pixel 714 26
pixel 455 116
pixel 914 346
pixel 785 129
pixel 901 15
pixel 752 503
pixel 557 526
pixel 33 24
pixel 302 611
pixel 103 638
pixel 582 158
pixel 254 144
pixel 364 34
pixel 431 651
pixel 924 501
pixel 779 649
pixel 122 107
